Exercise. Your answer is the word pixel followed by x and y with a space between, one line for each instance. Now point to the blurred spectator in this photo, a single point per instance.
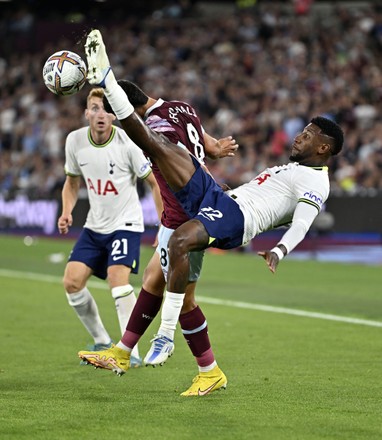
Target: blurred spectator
pixel 258 73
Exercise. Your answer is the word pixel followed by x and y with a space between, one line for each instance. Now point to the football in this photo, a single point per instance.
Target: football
pixel 64 73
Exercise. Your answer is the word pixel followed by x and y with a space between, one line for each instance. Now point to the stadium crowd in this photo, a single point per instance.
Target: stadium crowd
pixel 259 74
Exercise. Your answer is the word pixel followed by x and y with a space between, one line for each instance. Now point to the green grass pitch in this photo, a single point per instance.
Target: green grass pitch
pixel 289 377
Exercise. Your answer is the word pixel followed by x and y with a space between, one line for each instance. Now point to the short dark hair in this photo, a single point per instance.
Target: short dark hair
pixel 332 129
pixel 136 96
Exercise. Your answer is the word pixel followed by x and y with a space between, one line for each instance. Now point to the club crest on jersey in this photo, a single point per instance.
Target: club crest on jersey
pixel 111 165
pixel 102 188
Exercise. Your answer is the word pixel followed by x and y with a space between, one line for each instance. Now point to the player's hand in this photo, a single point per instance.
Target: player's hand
pixel 271 259
pixel 228 147
pixel 225 187
pixel 64 223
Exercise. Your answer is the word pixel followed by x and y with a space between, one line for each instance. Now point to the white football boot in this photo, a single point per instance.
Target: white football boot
pixel 161 349
pixel 97 59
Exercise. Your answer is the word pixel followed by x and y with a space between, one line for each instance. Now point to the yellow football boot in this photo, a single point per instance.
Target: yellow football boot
pixel 206 383
pixel 113 358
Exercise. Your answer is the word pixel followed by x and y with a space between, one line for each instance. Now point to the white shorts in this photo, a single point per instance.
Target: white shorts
pixel 196 258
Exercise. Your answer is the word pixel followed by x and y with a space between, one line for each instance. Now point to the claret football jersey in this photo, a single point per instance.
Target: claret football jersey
pixel 179 122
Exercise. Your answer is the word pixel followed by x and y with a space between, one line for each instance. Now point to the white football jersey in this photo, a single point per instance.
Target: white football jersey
pixel 270 199
pixel 110 172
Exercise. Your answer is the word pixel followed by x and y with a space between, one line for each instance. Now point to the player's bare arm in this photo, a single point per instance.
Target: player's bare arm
pixel 150 179
pixel 219 148
pixel 69 200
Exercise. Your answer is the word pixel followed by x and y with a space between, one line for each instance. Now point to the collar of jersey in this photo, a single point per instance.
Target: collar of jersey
pixel 154 106
pixel 106 143
pixel 323 168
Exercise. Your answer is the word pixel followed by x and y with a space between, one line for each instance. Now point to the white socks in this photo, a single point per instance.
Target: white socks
pixel 172 305
pixel 125 301
pixel 208 368
pixel 117 98
pixel 86 308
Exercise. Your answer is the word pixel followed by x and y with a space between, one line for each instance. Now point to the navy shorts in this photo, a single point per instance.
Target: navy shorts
pixel 99 251
pixel 204 200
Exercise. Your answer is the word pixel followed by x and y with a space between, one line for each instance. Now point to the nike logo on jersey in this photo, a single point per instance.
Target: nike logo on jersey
pixel 82 164
pixel 118 258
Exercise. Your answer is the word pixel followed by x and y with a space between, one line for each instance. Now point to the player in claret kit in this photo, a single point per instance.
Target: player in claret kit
pixel 109 245
pixel 293 194
pixel 179 122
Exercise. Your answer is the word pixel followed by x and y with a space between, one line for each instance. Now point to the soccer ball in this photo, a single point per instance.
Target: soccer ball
pixel 64 73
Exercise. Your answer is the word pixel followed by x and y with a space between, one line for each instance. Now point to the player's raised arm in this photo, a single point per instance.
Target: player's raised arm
pixel 219 148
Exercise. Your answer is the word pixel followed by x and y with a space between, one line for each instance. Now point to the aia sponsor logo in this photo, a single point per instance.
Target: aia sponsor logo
pixel 102 188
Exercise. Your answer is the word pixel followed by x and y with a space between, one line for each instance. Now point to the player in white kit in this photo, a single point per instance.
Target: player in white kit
pixel 290 194
pixel 109 245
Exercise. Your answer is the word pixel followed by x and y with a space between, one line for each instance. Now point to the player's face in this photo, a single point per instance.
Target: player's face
pixel 99 120
pixel 306 144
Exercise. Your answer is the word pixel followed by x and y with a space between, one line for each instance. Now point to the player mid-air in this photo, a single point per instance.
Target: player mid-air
pixel 293 194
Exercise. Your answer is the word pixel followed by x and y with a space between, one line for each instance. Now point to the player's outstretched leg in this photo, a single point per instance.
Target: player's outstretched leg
pixel 114 359
pixel 98 61
pixel 206 383
pixel 161 349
